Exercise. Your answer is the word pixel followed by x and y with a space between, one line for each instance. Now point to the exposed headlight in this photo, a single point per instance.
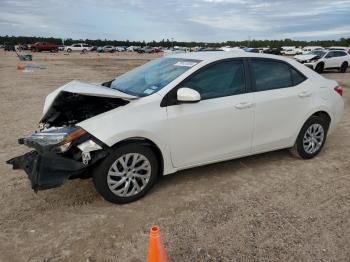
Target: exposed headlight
pixel 59 138
pixel 312 60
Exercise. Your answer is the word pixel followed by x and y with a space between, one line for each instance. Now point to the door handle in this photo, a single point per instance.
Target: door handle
pixel 304 94
pixel 244 105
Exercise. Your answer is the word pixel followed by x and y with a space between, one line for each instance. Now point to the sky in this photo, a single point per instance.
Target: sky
pixel 191 20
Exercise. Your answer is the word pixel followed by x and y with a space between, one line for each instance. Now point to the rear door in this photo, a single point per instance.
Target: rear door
pixel 281 97
pixel 331 60
pixel 220 125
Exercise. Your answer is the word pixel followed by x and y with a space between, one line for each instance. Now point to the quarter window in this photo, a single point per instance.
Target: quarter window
pixel 340 53
pixel 297 77
pixel 271 74
pixel 219 80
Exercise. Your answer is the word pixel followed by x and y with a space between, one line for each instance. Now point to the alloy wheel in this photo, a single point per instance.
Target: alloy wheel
pixel 313 138
pixel 129 175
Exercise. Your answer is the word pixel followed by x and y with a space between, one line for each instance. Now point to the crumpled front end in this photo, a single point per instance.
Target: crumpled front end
pixel 52 163
pixel 63 150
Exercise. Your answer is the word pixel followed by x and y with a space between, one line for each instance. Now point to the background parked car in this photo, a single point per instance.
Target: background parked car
pixel 321 60
pixel 251 50
pixel 146 49
pixel 93 48
pixel 44 46
pixel 132 48
pixel 273 51
pixel 291 50
pixel 80 47
pixel 308 49
pixel 61 48
pixel 106 49
pixel 9 47
pixel 120 48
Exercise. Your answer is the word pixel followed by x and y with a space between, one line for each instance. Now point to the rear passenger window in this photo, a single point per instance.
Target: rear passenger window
pixel 271 74
pixel 297 77
pixel 340 53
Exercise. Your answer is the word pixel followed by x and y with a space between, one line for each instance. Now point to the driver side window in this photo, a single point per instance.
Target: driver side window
pixel 330 54
pixel 218 80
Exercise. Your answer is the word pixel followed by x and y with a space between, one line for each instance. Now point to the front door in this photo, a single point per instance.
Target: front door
pixel 220 125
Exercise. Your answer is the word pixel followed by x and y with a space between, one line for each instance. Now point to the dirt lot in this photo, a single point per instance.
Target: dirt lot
pixel 270 207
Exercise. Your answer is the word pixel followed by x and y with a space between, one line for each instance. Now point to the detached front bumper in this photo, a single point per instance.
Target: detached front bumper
pixel 309 65
pixel 46 169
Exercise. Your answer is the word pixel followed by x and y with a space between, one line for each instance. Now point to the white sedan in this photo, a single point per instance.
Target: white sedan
pixel 178 112
pixel 81 47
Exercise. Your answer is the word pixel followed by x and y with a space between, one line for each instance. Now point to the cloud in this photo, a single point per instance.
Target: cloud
pixel 198 20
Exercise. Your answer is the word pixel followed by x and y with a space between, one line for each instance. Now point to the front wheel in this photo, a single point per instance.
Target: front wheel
pixel 319 68
pixel 344 67
pixel 311 138
pixel 127 174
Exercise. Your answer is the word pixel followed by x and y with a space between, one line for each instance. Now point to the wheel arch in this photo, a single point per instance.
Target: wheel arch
pixel 146 142
pixel 321 112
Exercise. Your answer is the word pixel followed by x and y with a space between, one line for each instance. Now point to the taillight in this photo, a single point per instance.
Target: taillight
pixel 339 90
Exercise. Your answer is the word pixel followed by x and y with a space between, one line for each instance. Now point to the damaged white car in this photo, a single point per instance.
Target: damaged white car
pixel 175 113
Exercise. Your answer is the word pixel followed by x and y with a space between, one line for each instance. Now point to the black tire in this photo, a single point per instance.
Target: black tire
pixel 298 149
pixel 100 173
pixel 69 50
pixel 344 67
pixel 319 68
pixel 84 51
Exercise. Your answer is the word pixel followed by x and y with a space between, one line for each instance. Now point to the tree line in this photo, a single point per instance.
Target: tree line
pixel 12 40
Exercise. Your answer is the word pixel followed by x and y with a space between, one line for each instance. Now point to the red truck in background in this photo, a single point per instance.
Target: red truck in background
pixel 44 46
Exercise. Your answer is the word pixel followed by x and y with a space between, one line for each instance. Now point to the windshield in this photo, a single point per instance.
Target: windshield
pixel 319 53
pixel 153 76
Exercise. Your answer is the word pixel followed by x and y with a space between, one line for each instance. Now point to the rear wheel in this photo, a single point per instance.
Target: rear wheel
pixel 344 67
pixel 319 68
pixel 311 138
pixel 69 50
pixel 127 174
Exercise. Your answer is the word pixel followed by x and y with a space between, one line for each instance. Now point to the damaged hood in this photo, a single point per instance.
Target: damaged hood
pixel 83 88
pixel 304 57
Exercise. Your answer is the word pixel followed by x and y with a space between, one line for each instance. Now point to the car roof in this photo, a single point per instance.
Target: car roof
pixel 218 55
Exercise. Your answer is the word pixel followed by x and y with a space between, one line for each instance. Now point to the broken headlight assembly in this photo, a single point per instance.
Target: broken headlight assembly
pixel 312 60
pixel 56 140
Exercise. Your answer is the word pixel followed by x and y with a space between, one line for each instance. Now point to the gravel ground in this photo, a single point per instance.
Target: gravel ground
pixel 269 207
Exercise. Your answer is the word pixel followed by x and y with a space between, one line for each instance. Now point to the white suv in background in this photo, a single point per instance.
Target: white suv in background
pixel 320 60
pixel 81 47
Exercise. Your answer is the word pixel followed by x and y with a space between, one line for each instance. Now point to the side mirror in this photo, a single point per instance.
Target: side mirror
pixel 188 95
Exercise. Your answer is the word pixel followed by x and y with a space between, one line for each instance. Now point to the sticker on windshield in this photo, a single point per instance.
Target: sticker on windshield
pixel 186 64
pixel 148 91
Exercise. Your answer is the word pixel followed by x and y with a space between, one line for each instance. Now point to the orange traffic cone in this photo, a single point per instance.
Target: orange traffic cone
pixel 156 250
